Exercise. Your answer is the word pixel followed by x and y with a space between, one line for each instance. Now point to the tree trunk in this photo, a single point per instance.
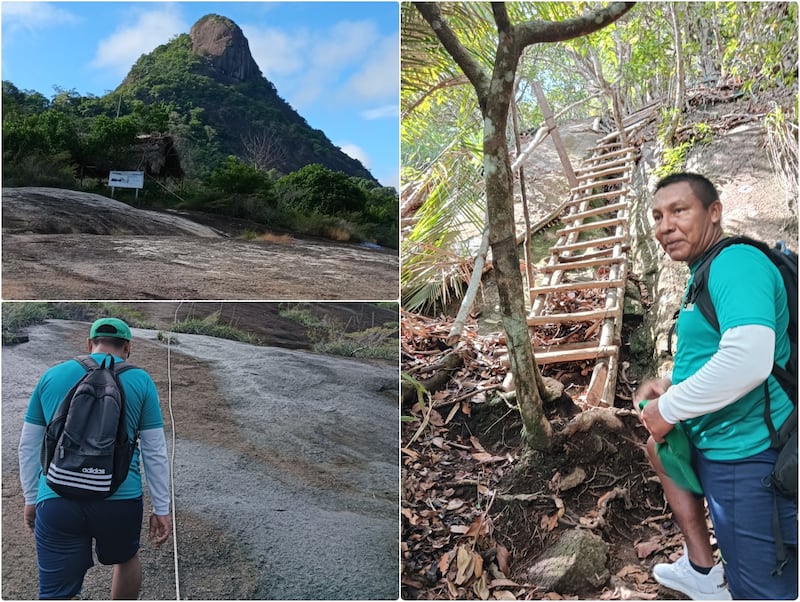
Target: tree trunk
pixel 680 72
pixel 503 240
pixel 494 97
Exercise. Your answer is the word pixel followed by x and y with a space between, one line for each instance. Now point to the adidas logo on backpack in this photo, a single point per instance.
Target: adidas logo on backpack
pixel 86 451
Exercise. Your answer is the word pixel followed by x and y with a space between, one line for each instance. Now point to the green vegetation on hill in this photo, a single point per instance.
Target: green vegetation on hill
pixel 209 141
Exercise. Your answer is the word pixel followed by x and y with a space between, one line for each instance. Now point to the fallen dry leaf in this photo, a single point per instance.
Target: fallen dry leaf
pixel 481 587
pixel 502 559
pixel 444 563
pixel 502 583
pixel 645 548
pixel 487 458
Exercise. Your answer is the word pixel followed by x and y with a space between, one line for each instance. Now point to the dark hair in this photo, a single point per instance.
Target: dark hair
pixel 701 186
pixel 115 343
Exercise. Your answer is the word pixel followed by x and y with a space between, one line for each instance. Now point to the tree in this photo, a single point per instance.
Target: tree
pixel 264 148
pixel 237 177
pixel 325 191
pixel 494 90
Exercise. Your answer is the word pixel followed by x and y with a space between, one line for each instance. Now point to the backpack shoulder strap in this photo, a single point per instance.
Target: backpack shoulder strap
pixel 120 367
pixel 88 362
pixel 699 293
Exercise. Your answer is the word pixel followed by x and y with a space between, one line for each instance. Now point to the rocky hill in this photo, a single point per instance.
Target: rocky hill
pixel 222 105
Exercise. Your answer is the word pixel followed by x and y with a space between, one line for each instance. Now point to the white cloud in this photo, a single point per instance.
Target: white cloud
pixel 277 52
pixel 382 112
pixel 36 16
pixel 347 43
pixel 357 153
pixel 347 61
pixel 378 77
pixel 120 50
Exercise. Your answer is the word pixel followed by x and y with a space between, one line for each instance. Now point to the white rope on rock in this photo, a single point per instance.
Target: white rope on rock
pixel 172 460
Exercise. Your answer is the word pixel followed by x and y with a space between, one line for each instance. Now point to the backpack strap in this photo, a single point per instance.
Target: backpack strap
pixel 88 362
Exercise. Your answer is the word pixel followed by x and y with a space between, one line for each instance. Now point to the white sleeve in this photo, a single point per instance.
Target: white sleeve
pixel 742 362
pixel 156 468
pixel 30 467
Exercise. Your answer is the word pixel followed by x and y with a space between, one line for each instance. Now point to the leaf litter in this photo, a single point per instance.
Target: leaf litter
pixel 477 512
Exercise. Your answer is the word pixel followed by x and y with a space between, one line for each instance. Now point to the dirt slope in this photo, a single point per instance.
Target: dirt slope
pixel 67 245
pixel 286 470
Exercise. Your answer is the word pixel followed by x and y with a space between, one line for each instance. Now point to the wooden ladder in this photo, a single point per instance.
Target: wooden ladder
pixel 594 239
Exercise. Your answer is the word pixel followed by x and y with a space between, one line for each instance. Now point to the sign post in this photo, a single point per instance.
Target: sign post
pixel 126 179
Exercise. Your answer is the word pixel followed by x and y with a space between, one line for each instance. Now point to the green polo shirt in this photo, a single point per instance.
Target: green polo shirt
pixel 141 408
pixel 746 289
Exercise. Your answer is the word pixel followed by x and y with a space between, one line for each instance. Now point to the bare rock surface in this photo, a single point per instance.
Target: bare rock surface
pixel 60 244
pixel 285 470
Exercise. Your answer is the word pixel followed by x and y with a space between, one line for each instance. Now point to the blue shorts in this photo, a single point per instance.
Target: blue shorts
pixel 64 532
pixel 741 502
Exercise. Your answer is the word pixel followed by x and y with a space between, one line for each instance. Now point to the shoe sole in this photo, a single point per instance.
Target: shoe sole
pixel 694 595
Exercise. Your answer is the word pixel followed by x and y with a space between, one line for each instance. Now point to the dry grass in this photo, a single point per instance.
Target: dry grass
pixel 283 239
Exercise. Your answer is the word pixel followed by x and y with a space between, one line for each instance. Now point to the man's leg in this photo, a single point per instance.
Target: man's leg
pixel 117 527
pixel 741 502
pixel 63 547
pixel 688 511
pixel 126 579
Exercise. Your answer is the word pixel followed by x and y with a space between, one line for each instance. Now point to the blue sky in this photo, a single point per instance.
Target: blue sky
pixel 336 63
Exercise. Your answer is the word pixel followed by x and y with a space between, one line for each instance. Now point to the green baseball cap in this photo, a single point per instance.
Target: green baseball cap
pixel 110 327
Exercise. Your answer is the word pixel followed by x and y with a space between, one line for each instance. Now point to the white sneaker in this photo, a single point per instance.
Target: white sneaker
pixel 681 577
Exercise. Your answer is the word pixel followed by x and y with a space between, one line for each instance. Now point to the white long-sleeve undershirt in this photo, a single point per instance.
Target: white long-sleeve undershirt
pixel 156 468
pixel 743 361
pixel 30 445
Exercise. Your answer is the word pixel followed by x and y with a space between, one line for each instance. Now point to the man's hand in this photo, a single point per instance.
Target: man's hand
pixel 654 421
pixel 160 527
pixel 651 389
pixel 29 516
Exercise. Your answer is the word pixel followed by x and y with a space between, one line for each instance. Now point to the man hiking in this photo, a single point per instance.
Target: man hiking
pixel 64 526
pixel 716 396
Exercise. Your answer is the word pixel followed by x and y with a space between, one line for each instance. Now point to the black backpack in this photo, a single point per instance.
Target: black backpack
pixel 784 475
pixel 86 451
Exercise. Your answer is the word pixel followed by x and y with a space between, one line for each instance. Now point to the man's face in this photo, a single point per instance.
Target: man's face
pixel 683 227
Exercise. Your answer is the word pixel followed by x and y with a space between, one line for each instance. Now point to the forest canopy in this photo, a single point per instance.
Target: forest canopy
pixel 751 46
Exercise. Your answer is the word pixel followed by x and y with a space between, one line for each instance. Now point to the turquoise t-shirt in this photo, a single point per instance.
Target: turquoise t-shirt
pixel 142 412
pixel 746 289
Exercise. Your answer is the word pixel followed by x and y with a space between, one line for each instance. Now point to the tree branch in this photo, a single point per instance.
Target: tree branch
pixel 501 17
pixel 476 74
pixel 536 32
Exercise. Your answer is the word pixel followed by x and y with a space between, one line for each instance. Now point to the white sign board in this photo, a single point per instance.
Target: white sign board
pixel 126 179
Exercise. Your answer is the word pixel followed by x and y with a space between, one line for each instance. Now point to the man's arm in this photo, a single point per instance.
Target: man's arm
pixel 743 361
pixel 30 445
pixel 156 468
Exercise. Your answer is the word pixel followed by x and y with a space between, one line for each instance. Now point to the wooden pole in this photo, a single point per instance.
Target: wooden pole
pixel 551 124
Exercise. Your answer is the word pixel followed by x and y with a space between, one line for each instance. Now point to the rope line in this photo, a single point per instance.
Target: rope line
pixel 172 459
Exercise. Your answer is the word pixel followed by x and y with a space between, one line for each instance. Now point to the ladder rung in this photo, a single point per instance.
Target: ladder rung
pixel 580 265
pixel 596 197
pixel 585 244
pixel 596 211
pixel 580 316
pixel 590 185
pixel 607 164
pixel 610 154
pixel 592 225
pixel 591 149
pixel 608 171
pixel 574 286
pixel 574 355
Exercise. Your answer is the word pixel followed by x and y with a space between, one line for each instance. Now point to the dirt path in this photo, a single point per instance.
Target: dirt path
pixel 286 470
